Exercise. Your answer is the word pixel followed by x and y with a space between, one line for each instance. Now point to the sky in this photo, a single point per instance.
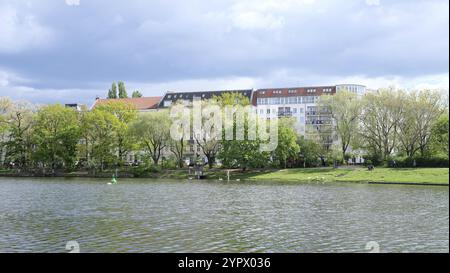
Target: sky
pixel 70 51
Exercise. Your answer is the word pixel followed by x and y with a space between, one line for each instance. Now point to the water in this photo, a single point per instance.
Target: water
pixel 42 215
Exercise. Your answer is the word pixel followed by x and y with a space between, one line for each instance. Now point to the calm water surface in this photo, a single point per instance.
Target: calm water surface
pixel 41 215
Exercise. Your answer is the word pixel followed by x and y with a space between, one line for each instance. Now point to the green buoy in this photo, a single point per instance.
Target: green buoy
pixel 113 180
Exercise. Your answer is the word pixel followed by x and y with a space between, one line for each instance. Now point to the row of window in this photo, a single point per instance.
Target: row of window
pixel 287 100
pixel 281 110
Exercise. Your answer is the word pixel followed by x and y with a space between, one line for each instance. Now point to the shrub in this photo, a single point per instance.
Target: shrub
pixel 374 159
pixel 435 161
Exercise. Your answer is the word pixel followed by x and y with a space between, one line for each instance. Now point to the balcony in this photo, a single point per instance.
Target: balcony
pixel 317 113
pixel 284 114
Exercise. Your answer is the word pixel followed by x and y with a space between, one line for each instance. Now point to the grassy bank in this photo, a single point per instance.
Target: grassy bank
pixel 361 175
pixel 398 175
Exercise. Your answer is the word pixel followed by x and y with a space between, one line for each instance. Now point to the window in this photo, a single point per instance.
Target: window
pixel 308 99
pixel 294 110
pixel 301 110
pixel 302 119
pixel 274 101
pixel 292 91
pixel 167 103
pixel 268 111
pixel 327 90
pixel 261 111
pixel 292 100
pixel 311 90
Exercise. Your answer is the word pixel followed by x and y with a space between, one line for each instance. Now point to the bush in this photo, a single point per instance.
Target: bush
pixel 170 163
pixel 421 161
pixel 374 159
pixel 145 169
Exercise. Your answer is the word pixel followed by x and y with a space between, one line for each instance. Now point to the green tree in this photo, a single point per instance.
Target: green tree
pixel 152 131
pixel 239 153
pixel 287 148
pixel 137 94
pixel 122 90
pixel 310 152
pixel 56 133
pixel 345 109
pixel 125 114
pixel 421 110
pixel 17 120
pixel 98 129
pixel 382 113
pixel 439 135
pixel 5 107
pixel 112 93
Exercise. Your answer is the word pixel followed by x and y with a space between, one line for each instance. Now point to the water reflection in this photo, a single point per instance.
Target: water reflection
pixel 41 215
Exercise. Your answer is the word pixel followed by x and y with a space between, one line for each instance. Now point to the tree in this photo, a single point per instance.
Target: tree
pixel 125 114
pixel 98 129
pixel 208 139
pixel 238 153
pixel 345 109
pixel 152 131
pixel 17 120
pixel 380 118
pixel 122 90
pixel 56 134
pixel 310 152
pixel 439 135
pixel 427 112
pixel 136 94
pixel 112 93
pixel 5 107
pixel 287 142
pixel 177 147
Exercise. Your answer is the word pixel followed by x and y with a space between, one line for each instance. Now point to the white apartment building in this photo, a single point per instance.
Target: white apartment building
pixel 300 103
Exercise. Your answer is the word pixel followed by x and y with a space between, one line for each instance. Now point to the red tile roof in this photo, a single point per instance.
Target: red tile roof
pixel 143 103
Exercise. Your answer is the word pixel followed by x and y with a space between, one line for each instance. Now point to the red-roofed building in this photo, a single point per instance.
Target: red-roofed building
pixel 141 104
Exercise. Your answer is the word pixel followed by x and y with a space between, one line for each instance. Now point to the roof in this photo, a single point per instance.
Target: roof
pixel 144 103
pixel 293 91
pixel 204 95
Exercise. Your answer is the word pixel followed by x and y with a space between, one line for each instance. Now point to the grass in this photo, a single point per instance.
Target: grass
pixel 398 175
pixel 361 175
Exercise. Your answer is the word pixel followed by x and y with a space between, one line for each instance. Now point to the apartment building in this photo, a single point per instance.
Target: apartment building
pixel 187 97
pixel 301 104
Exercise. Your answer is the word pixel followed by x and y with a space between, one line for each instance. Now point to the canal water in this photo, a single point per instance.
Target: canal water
pixel 42 215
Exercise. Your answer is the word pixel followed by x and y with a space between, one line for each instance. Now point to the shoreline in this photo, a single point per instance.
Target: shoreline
pixel 285 176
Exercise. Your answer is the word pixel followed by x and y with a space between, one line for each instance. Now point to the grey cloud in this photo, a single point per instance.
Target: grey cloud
pixel 172 41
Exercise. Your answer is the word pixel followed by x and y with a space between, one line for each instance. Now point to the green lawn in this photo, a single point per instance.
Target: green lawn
pixel 416 175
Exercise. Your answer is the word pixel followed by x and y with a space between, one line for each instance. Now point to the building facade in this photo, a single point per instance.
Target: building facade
pixel 299 103
pixel 188 97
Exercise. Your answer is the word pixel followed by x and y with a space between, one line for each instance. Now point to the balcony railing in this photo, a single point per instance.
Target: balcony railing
pixel 284 114
pixel 317 113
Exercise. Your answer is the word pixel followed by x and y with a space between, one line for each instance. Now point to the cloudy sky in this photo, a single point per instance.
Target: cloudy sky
pixel 71 50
